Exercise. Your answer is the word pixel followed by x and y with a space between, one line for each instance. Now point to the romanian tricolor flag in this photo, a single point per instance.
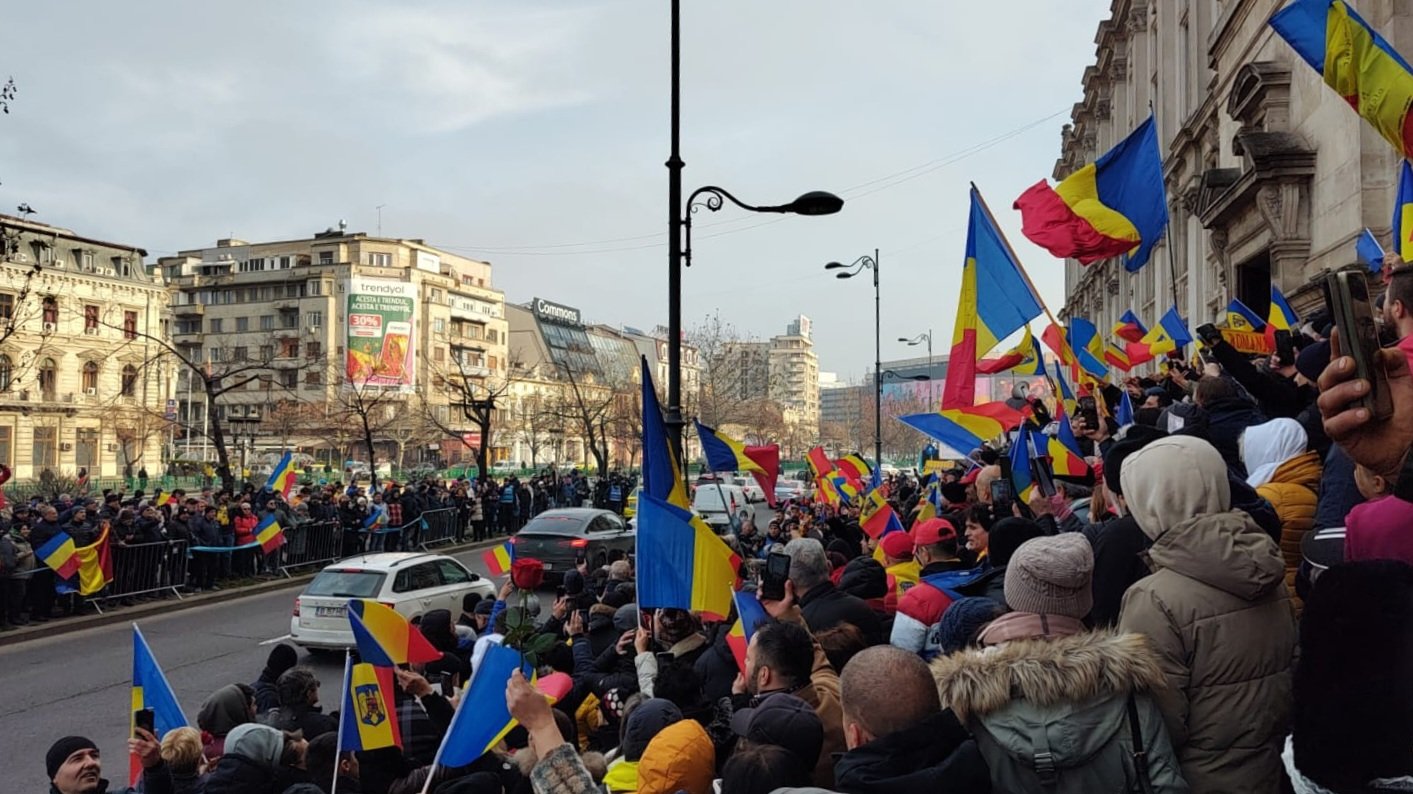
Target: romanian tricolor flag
pixel 376 520
pixel 1088 347
pixel 819 462
pixel 1240 317
pixel 482 718
pixel 847 489
pixel 1402 215
pixel 368 720
pixel 95 564
pixel 662 478
pixel 724 453
pixel 150 690
pixel 384 636
pixel 1064 393
pixel 749 616
pixel 894 525
pixel 269 534
pixel 1169 334
pixel 825 490
pixel 164 498
pixel 1116 206
pixel 964 429
pixel 499 559
pixel 1026 357
pixel 681 562
pixel 931 504
pixel 1124 416
pixel 1366 245
pixel 59 553
pixel 873 518
pixel 996 301
pixel 1281 317
pixel 854 467
pixel 1129 328
pixel 767 457
pixel 1063 448
pixel 282 476
pixel 1022 481
pixel 1117 357
pixel 1355 61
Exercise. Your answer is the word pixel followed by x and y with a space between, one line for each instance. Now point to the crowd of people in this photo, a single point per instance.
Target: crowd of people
pixel 1161 623
pixel 177 544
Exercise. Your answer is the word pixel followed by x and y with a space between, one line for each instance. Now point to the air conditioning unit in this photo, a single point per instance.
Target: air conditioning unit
pixel 91 331
pixel 49 328
pixel 21 257
pixel 90 391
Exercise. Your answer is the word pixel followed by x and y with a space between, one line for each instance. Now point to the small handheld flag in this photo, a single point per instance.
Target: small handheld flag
pixel 282 476
pixel 749 616
pixel 1367 247
pixel 483 718
pixel 150 690
pixel 58 553
pixel 384 636
pixel 368 720
pixel 499 559
pixel 269 534
pixel 1124 416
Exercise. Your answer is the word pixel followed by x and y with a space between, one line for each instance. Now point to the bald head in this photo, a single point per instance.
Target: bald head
pixel 984 478
pixel 883 690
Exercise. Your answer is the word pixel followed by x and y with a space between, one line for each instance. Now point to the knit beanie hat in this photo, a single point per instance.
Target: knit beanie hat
pixel 964 619
pixel 60 751
pixel 282 657
pixel 1052 576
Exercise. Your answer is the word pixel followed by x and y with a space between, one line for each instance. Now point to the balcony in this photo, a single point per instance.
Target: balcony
pixel 189 310
pixel 186 337
pixel 287 305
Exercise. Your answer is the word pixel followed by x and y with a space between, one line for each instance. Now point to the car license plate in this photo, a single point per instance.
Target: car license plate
pixel 549 567
pixel 330 612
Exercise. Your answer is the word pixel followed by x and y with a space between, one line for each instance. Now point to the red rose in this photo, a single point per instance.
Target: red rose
pixel 527 574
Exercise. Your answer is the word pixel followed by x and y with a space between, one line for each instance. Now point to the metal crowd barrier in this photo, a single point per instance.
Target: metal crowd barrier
pixel 438 526
pixel 144 568
pixel 311 543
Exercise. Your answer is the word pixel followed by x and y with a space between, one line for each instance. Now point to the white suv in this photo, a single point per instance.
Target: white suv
pixel 411 583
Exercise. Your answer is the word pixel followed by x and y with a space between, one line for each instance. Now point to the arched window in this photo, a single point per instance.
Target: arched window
pixel 7 372
pixel 48 378
pixel 90 377
pixel 129 380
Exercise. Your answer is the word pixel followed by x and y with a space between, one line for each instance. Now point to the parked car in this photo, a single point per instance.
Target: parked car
pixel 787 488
pixel 721 506
pixel 560 537
pixel 411 583
pixel 752 489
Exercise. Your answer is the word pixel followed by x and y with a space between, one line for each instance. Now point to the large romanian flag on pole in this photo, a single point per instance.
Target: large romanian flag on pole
pixel 282 476
pixel 1356 62
pixel 724 453
pixel 1115 206
pixel 996 301
pixel 681 562
pixel 1403 214
pixel 662 478
pixel 964 429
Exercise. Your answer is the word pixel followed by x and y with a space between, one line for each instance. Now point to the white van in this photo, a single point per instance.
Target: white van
pixel 722 507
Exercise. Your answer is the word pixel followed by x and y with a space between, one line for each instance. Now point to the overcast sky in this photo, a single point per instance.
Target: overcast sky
pixel 533 134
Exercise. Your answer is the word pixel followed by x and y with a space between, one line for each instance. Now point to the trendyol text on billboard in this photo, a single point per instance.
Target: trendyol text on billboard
pixel 378 334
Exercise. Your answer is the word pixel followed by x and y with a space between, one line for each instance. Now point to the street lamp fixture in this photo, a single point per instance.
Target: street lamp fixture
pixel 858 266
pixel 712 198
pixel 888 373
pixel 917 340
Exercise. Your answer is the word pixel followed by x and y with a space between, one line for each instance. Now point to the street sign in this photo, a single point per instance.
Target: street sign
pixel 471 439
pixel 171 413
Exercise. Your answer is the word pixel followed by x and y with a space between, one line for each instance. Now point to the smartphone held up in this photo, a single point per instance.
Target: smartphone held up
pixel 1347 300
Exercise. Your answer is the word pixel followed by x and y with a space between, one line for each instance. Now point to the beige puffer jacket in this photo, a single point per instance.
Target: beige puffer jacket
pixel 1217 611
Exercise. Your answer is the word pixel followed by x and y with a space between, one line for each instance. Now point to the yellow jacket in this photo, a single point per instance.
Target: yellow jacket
pixel 903 575
pixel 1294 492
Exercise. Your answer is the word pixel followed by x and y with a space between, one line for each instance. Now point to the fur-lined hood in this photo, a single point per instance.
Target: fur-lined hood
pixel 1046 673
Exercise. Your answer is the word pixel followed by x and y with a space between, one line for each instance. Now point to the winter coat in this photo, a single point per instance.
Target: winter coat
pixel 1119 561
pixel 826 607
pixel 561 771
pixel 933 755
pixel 822 695
pixel 157 780
pixel 717 665
pixel 267 697
pixel 1226 420
pixel 679 758
pixel 300 718
pixel 1293 492
pixel 1067 697
pixel 990 584
pixel 1218 611
pixel 245 528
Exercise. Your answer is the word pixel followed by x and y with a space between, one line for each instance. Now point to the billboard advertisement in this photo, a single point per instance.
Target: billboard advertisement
pixel 378 334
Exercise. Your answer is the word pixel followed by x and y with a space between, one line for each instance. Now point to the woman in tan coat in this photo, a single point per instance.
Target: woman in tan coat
pixel 1218 613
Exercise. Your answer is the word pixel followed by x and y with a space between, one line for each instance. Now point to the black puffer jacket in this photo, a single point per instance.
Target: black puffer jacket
pixel 937 754
pixel 717 665
pixel 825 607
pixel 864 577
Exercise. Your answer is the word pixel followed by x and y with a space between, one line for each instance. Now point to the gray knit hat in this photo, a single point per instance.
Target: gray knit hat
pixel 1052 576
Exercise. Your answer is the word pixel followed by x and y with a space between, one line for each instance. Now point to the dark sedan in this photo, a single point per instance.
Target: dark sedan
pixel 559 537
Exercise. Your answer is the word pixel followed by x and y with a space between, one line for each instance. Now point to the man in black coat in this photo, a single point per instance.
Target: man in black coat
pixel 299 710
pixel 824 605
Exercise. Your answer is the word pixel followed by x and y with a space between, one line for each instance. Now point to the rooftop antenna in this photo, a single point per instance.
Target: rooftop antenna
pixel 343 225
pixel 379 208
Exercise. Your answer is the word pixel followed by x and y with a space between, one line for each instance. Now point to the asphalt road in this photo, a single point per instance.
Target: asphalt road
pixel 80 683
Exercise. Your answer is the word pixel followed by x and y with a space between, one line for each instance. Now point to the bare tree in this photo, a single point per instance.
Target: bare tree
pixel 134 426
pixel 585 406
pixel 412 426
pixel 473 397
pixel 763 421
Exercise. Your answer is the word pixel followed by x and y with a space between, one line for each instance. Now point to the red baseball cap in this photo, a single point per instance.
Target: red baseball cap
pixel 898 545
pixel 933 530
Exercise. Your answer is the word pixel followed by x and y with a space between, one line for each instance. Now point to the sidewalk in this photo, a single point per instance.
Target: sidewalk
pixel 117 614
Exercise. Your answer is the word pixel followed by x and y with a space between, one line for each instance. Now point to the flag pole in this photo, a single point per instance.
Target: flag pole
pixel 343 715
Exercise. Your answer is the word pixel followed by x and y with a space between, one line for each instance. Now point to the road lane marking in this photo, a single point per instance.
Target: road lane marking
pixel 274 640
